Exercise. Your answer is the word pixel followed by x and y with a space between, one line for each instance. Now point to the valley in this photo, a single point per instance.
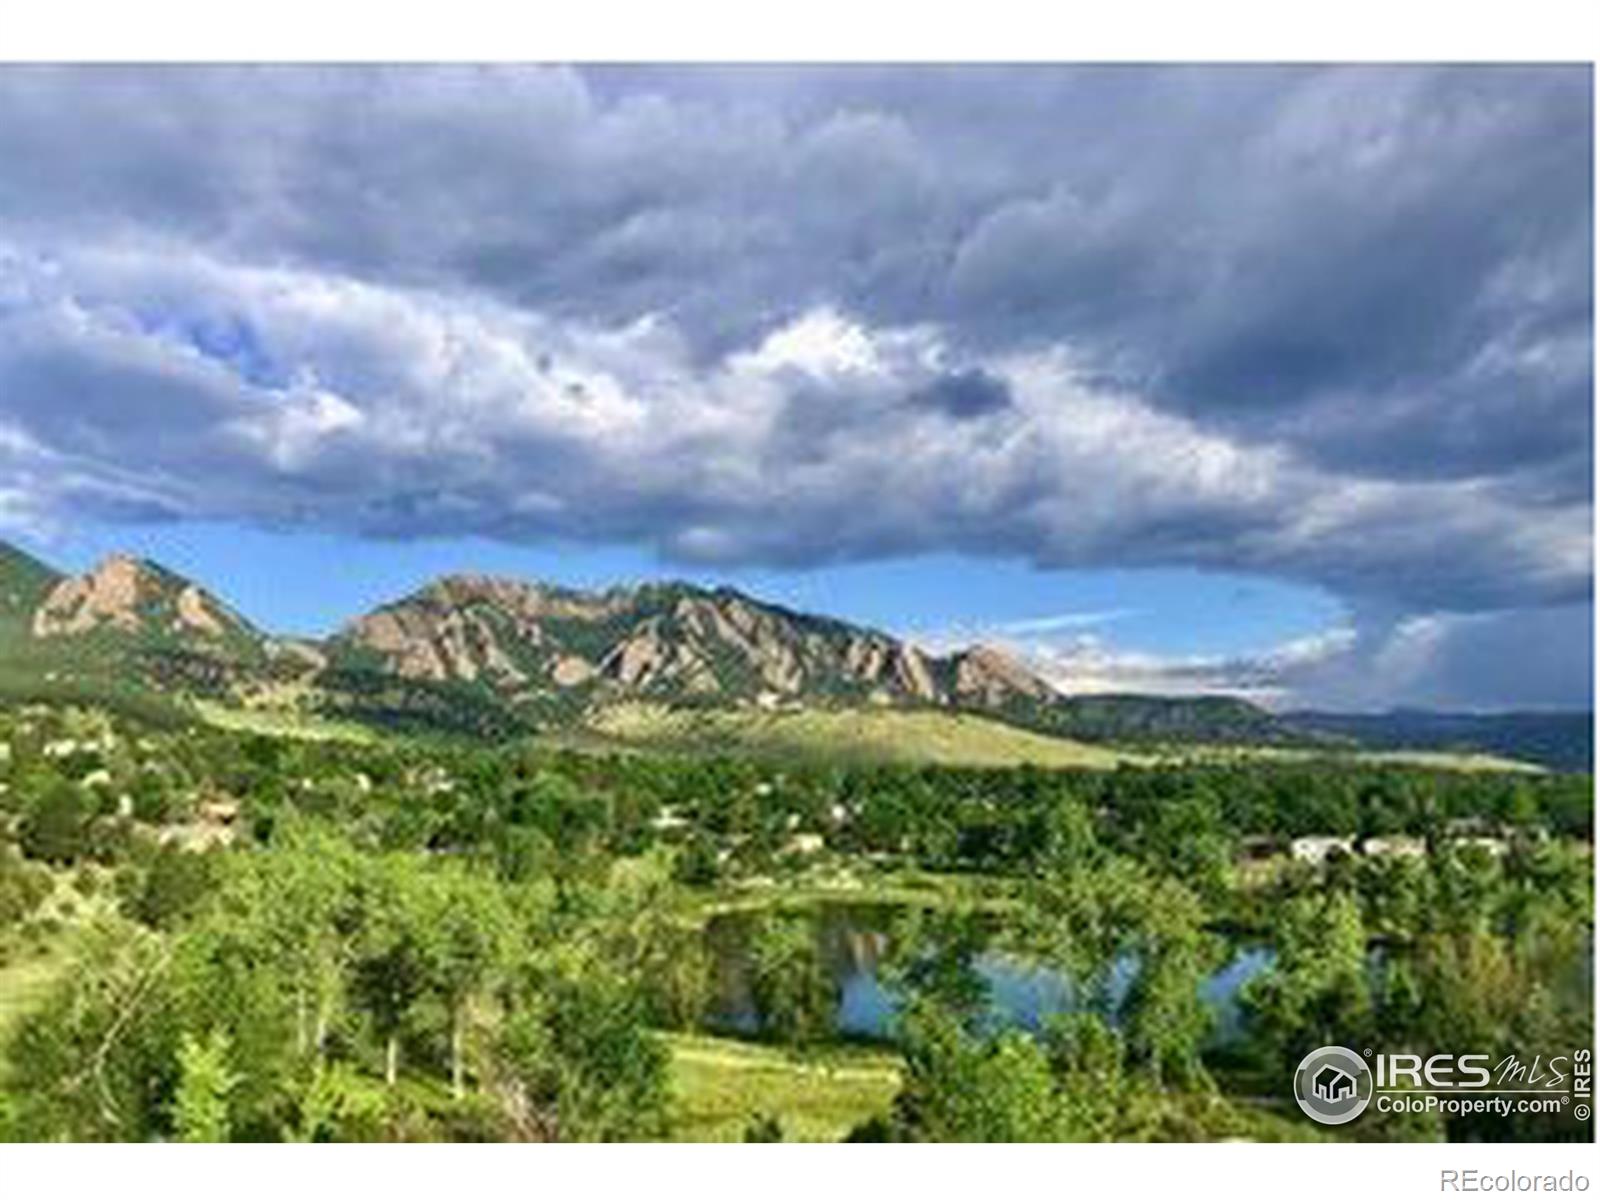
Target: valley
pixel 409 938
pixel 508 861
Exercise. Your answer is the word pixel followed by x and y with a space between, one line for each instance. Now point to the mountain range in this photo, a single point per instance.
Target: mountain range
pixel 488 655
pixel 492 656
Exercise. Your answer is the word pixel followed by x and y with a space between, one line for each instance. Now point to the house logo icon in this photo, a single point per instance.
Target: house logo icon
pixel 1333 1085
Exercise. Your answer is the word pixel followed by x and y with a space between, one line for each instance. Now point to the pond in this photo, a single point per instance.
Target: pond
pixel 854 939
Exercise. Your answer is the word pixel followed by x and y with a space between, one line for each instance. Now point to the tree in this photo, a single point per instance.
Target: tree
pixel 792 987
pixel 96 1061
pixel 200 1108
pixel 391 967
pixel 1089 1057
pixel 1070 838
pixel 1317 991
pixel 1186 837
pixel 638 921
pixel 466 929
pixel 152 796
pixel 965 1087
pixel 55 827
pixel 573 1060
pixel 933 957
pixel 171 887
pixel 305 901
pixel 1167 1020
pixel 697 864
pixel 1104 924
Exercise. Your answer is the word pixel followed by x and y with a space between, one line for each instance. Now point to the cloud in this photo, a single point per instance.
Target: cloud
pixel 1385 267
pixel 971 393
pixel 1087 664
pixel 407 412
pixel 1454 660
pixel 398 412
pixel 1330 325
pixel 1070 620
pixel 1438 660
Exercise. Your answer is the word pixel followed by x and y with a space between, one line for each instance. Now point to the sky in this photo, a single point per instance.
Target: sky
pixel 1272 381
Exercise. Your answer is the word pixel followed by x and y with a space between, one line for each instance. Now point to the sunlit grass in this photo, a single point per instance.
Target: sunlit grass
pixel 719 1085
pixel 1435 760
pixel 886 735
pixel 952 739
pixel 274 722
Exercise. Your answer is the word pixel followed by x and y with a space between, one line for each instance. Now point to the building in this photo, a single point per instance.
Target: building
pixel 1315 850
pixel 1394 847
pixel 667 820
pixel 1492 846
pixel 804 844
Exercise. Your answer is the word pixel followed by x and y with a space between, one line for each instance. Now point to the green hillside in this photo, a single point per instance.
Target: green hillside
pixel 24 580
pixel 883 735
pixel 952 739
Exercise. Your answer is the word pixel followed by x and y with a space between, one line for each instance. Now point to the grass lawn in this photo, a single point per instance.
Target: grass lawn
pixel 276 722
pixel 904 887
pixel 720 1084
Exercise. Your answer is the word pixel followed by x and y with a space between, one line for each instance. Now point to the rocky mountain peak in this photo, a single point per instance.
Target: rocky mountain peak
pixel 992 677
pixel 133 595
pixel 665 640
pixel 128 594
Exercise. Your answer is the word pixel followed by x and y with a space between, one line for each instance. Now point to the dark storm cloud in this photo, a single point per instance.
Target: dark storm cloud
pixel 1448 661
pixel 973 393
pixel 1330 258
pixel 1326 324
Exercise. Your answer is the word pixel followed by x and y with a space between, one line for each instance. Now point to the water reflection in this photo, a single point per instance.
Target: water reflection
pixel 854 940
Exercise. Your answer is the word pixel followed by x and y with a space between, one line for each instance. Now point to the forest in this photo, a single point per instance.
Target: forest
pixel 212 935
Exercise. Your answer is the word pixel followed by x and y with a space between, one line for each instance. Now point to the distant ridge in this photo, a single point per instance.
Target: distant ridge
pixel 1562 741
